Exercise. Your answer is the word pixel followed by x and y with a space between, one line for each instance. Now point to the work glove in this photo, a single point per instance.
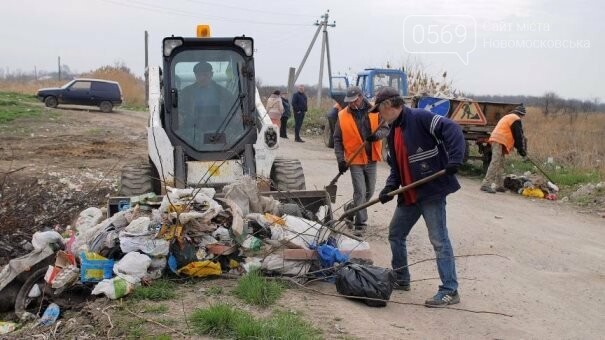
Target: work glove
pixel 372 138
pixel 384 197
pixel 451 169
pixel 342 167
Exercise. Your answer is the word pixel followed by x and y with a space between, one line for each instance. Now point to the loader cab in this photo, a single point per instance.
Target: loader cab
pixel 209 96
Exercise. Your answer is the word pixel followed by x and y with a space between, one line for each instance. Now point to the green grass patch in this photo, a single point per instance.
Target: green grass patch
pixel 561 176
pixel 133 107
pixel 215 290
pixel 159 290
pixel 225 321
pixel 154 309
pixel 257 290
pixel 14 105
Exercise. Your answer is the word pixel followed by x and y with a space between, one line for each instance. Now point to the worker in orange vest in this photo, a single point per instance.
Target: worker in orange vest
pixel 507 134
pixel 356 126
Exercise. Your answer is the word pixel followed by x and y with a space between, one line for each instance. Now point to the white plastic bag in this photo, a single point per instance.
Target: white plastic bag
pixel 132 267
pixel 113 288
pixel 42 239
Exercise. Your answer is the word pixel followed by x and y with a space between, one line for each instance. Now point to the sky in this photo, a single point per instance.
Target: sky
pixel 504 47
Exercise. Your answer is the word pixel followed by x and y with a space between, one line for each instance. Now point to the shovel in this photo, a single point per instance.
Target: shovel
pixel 376 200
pixel 332 187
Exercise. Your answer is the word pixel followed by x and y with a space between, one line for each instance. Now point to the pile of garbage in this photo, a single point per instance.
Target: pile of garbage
pixel 531 186
pixel 189 232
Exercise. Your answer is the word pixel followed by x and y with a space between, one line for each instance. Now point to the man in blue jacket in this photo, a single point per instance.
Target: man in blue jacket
pixel 421 144
pixel 299 108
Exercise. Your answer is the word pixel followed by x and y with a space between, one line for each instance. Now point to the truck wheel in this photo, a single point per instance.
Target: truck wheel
pixel 138 179
pixel 106 106
pixel 51 101
pixel 467 150
pixel 328 135
pixel 287 174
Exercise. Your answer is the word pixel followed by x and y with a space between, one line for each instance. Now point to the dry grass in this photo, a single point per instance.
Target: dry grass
pixel 572 141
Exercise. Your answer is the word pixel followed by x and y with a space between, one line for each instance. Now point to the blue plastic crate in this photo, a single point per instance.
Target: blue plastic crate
pixel 94 267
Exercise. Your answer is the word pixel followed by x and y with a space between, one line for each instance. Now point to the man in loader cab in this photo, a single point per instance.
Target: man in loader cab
pixel 204 98
pixel 356 127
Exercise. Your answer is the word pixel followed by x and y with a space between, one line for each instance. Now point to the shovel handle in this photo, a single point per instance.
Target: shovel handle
pixel 539 168
pixel 394 193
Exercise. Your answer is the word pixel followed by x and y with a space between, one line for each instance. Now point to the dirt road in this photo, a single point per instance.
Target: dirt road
pixel 549 275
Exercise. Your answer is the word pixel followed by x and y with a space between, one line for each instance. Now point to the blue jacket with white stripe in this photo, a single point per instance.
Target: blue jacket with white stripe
pixel 432 142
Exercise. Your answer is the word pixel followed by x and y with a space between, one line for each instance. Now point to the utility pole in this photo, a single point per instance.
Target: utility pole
pixel 146 68
pixel 59 63
pixel 35 73
pixel 325 47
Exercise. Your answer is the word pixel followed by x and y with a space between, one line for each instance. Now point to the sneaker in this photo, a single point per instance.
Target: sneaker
pixel 286 137
pixel 359 230
pixel 488 188
pixel 299 140
pixel 501 189
pixel 443 299
pixel 400 285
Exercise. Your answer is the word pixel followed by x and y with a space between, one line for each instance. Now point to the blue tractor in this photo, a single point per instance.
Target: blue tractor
pixel 370 80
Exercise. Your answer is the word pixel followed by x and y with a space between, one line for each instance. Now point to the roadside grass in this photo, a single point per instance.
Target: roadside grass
pixel 222 320
pixel 215 290
pixel 159 290
pixel 561 176
pixel 15 105
pixel 133 107
pixel 255 289
pixel 154 309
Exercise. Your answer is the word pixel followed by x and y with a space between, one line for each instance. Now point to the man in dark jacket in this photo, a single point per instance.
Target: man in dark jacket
pixel 299 107
pixel 283 130
pixel 421 144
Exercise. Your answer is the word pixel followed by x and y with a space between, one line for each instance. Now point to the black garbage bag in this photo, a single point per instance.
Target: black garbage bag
pixel 366 281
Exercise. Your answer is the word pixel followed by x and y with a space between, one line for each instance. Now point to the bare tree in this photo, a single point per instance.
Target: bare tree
pixel 549 101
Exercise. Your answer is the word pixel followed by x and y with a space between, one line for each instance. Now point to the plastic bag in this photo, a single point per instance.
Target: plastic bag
pixel 366 281
pixel 42 239
pixel 328 255
pixel 114 288
pixel 132 265
pixel 201 269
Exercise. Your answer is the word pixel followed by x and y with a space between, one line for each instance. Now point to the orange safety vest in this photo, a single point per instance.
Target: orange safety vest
pixel 352 139
pixel 502 132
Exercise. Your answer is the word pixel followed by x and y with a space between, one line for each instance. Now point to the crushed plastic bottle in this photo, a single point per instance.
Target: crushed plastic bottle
pixel 51 314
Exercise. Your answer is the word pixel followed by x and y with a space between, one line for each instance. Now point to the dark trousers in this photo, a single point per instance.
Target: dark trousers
pixel 298 120
pixel 283 130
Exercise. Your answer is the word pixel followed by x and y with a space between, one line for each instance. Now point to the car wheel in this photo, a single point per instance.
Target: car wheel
pixel 106 106
pixel 51 101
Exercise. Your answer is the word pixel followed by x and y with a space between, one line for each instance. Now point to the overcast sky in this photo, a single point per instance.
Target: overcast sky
pixel 487 47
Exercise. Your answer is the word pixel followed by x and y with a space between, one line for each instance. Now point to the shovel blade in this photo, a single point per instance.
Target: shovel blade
pixel 331 189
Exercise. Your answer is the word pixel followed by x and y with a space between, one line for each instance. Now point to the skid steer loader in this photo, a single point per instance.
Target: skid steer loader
pixel 210 132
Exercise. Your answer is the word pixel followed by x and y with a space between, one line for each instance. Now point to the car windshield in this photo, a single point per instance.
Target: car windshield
pixel 385 79
pixel 208 116
pixel 67 85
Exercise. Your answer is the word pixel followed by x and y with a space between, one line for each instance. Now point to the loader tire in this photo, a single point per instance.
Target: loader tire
pixel 136 179
pixel 287 174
